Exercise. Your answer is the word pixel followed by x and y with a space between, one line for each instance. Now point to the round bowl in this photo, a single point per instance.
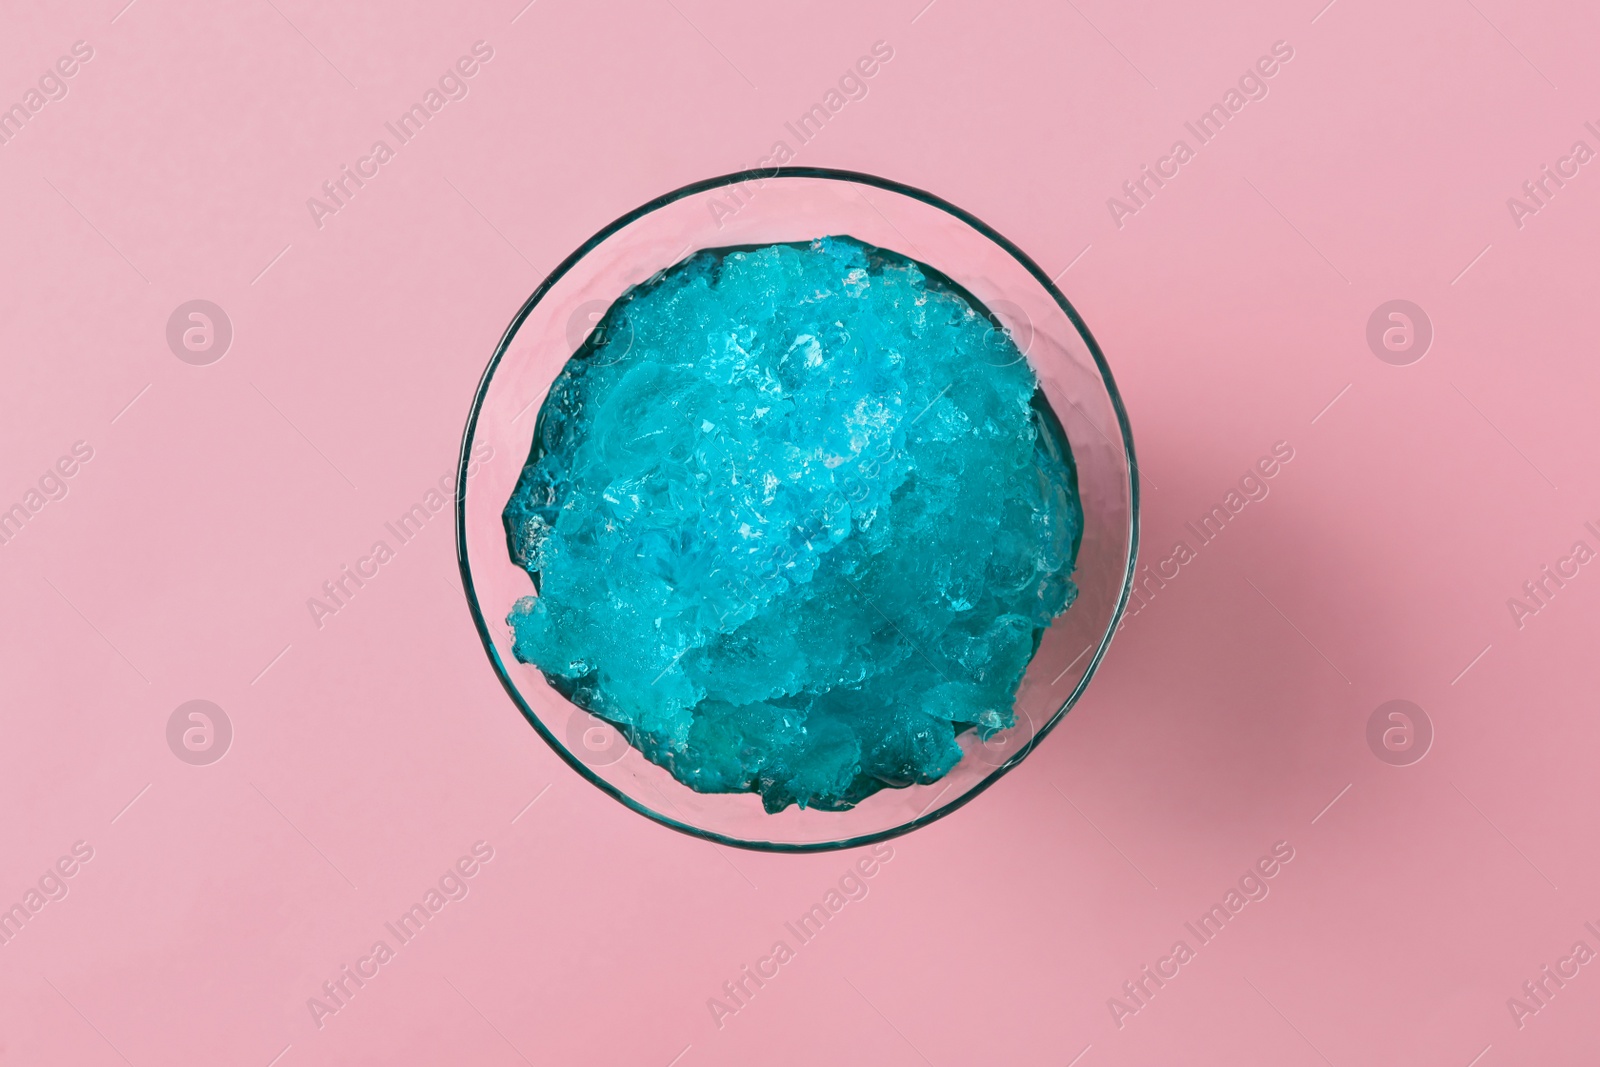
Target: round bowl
pixel 763 207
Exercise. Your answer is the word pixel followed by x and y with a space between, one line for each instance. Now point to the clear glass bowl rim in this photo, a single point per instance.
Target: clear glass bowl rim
pixel 770 174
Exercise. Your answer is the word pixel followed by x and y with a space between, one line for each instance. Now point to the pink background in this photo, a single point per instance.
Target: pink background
pixel 369 754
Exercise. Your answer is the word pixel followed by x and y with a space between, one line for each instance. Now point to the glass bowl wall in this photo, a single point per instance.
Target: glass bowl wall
pixel 796 204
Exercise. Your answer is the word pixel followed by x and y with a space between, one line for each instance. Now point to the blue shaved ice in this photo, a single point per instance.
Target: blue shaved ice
pixel 797 516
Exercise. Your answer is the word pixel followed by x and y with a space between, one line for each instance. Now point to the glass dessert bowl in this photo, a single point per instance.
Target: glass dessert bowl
pixel 985 294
